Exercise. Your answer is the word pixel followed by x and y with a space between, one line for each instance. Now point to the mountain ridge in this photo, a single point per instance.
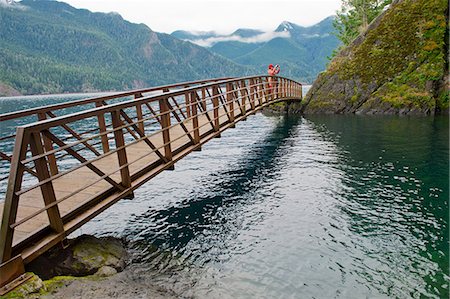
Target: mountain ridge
pixel 301 51
pixel 52 47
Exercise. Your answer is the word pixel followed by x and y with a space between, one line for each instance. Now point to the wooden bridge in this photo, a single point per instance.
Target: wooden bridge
pixel 66 168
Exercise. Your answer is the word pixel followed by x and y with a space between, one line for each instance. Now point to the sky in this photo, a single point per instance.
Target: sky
pixel 223 16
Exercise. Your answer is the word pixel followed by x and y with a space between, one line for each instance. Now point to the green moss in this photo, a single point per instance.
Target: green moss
pixel 320 104
pixel 402 58
pixel 278 105
pixel 405 96
pixel 443 101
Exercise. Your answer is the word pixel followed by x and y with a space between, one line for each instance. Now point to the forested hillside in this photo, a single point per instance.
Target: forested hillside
pixel 51 47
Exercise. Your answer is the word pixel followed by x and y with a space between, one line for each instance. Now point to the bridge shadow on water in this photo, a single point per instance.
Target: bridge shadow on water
pixel 211 212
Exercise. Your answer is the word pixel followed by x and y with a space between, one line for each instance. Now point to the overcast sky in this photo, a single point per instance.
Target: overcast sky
pixel 219 15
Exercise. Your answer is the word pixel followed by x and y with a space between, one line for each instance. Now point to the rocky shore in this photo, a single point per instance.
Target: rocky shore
pixel 88 267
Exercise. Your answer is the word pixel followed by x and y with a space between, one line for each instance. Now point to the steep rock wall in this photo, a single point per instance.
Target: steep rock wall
pixel 398 66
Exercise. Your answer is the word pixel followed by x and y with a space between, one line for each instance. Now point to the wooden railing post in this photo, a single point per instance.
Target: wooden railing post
pixel 230 102
pixel 215 101
pixel 48 193
pixel 259 90
pixel 139 114
pixel 48 146
pixel 187 102
pixel 121 151
pixel 12 199
pixel 242 91
pixel 266 89
pixel 252 94
pixel 165 127
pixel 203 101
pixel 102 128
pixel 195 127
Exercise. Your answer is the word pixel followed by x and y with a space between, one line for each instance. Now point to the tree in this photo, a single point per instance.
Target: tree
pixel 354 17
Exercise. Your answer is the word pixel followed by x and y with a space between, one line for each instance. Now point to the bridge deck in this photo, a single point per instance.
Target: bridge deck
pixel 33 201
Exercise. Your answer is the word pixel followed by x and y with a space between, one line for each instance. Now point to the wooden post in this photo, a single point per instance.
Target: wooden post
pixel 48 146
pixel 243 90
pixel 215 101
pixel 121 151
pixel 11 199
pixel 187 103
pixel 48 193
pixel 230 102
pixel 195 118
pixel 139 114
pixel 165 127
pixel 204 98
pixel 252 94
pixel 258 91
pixel 244 95
pixel 102 128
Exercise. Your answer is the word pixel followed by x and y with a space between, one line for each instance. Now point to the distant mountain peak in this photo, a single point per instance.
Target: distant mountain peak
pixel 286 25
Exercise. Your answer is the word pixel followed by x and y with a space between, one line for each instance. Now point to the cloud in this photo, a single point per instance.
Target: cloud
pixel 12 4
pixel 260 38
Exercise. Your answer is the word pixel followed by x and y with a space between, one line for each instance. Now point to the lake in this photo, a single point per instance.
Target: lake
pixel 296 207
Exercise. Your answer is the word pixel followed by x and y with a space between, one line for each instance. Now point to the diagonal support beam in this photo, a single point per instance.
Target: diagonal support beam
pixel 80 158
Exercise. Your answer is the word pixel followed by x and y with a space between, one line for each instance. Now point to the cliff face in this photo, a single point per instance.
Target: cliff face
pixel 398 66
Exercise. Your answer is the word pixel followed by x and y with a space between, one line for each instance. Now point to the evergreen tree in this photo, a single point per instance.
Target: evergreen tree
pixel 354 17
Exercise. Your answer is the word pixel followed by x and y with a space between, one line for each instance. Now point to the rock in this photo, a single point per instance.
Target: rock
pixel 85 255
pixel 29 289
pixel 106 271
pixel 398 66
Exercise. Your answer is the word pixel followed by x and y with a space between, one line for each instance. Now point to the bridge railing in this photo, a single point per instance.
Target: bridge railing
pixel 113 149
pixel 52 111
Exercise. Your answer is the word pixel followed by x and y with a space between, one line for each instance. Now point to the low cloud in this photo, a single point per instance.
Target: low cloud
pixel 11 4
pixel 260 38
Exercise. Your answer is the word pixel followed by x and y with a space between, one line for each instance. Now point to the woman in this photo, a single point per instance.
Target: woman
pixel 272 71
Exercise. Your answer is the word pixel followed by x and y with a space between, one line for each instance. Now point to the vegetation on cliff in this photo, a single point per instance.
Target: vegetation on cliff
pixel 354 17
pixel 398 66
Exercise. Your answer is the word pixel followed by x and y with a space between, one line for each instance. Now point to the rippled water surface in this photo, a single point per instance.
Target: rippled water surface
pixel 292 207
pixel 322 207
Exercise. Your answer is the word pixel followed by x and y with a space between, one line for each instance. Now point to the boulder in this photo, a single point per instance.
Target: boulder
pixel 84 256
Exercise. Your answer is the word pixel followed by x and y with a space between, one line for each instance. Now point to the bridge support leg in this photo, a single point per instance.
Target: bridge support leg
pixel 12 274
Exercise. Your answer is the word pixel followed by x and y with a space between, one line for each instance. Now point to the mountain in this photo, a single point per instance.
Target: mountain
pixel 398 66
pixel 301 51
pixel 51 47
